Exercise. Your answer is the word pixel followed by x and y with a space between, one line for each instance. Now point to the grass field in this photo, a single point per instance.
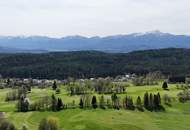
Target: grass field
pixel 176 117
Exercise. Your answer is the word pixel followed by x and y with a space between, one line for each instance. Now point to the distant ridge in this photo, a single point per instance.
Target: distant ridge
pixel 117 43
pixel 15 50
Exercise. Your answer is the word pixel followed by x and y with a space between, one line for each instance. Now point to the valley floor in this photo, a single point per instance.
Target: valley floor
pixel 176 117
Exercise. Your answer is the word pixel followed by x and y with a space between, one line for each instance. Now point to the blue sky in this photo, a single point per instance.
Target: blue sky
pixel 59 18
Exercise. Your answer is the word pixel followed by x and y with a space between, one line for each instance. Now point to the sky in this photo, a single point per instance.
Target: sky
pixel 58 18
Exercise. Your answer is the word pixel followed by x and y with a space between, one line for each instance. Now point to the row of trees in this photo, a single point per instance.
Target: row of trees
pixel 16 94
pixel 151 102
pixel 101 86
pixel 148 79
pixel 45 103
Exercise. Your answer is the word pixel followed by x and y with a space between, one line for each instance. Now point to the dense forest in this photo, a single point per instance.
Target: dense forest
pixel 86 64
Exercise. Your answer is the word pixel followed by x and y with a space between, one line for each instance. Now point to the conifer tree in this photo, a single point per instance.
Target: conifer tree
pixel 81 103
pixel 151 102
pixel 53 103
pixel 129 102
pixel 54 86
pixel 146 100
pixel 165 85
pixel 102 102
pixel 94 102
pixel 159 98
pixel 23 104
pixel 59 104
pixel 156 102
pixel 115 101
pixel 139 104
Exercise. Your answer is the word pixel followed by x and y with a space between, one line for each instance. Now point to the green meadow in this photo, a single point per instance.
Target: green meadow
pixel 176 117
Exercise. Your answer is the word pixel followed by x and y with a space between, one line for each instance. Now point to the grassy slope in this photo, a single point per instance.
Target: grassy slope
pixel 176 117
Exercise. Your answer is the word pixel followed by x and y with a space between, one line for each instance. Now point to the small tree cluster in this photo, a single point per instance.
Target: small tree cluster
pixel 149 79
pixel 45 103
pixel 102 103
pixel 152 102
pixel 16 94
pixel 78 88
pixel 103 86
pixel 42 104
pixel 56 103
pixel 184 96
pixel 86 101
pixel 23 104
pixel 115 101
pixel 119 88
pixel 128 103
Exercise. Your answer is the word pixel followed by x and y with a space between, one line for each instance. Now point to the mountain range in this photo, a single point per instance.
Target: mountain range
pixel 115 44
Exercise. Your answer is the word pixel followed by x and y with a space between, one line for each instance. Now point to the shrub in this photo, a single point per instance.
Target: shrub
pixel 58 90
pixel 184 96
pixel 49 123
pixel 167 99
pixel 6 125
pixel 24 127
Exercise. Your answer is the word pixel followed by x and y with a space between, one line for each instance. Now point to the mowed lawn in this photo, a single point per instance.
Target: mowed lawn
pixel 176 117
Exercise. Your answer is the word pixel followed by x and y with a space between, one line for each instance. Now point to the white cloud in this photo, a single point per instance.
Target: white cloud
pixel 92 17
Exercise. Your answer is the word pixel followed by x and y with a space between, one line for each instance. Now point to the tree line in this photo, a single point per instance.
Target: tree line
pixel 100 86
pixel 151 102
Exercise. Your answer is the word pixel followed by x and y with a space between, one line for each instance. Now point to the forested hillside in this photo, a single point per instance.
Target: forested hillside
pixel 85 64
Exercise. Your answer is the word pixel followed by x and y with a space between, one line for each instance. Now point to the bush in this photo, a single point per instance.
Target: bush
pixel 49 123
pixel 24 127
pixel 184 96
pixel 6 125
pixel 58 90
pixel 167 99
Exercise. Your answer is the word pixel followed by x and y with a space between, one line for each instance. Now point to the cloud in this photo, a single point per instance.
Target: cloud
pixel 92 17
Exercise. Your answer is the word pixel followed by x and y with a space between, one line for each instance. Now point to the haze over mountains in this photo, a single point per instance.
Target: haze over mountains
pixel 116 43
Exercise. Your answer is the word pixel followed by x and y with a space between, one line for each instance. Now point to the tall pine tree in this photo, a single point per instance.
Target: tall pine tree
pixel 139 105
pixel 81 103
pixel 94 102
pixel 146 100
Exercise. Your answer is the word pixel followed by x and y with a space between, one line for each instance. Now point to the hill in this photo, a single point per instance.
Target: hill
pixel 116 43
pixel 15 50
pixel 85 64
pixel 108 119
